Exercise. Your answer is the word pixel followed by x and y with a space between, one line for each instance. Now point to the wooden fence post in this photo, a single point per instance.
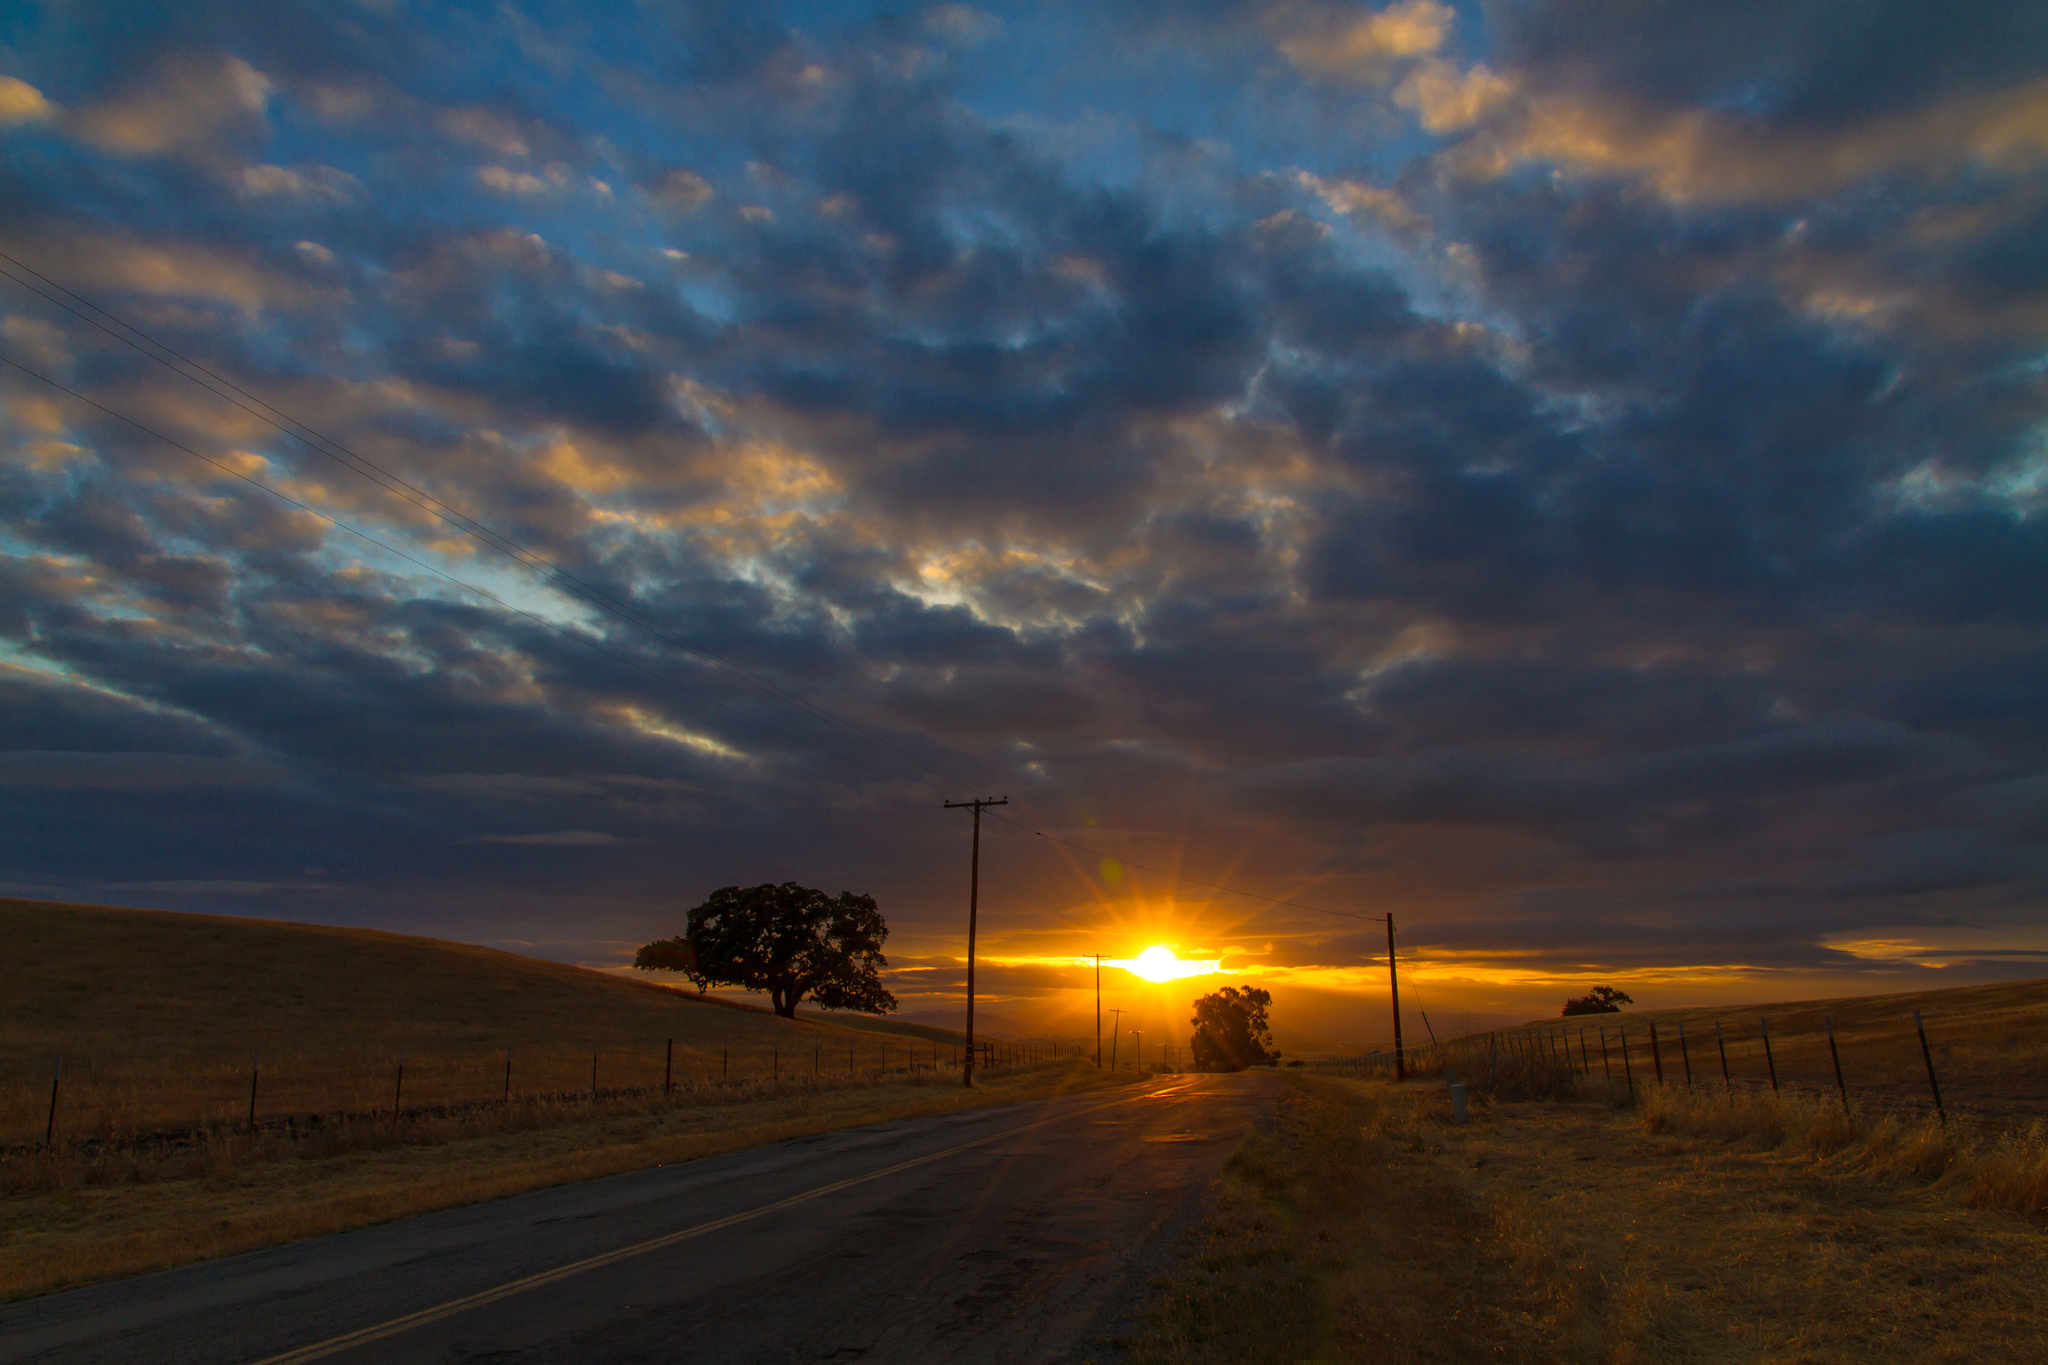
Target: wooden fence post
pixel 1626 1068
pixel 1722 1044
pixel 398 1090
pixel 668 1069
pixel 255 1070
pixel 1927 1056
pixel 593 1075
pixel 1769 1060
pixel 1685 1056
pixel 1656 1057
pixel 1605 1065
pixel 508 1073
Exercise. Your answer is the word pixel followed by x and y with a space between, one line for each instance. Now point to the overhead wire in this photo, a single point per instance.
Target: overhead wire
pixel 318 442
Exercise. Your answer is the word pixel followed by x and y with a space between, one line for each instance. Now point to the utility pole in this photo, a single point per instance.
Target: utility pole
pixel 1393 987
pixel 1112 1037
pixel 973 904
pixel 1139 1050
pixel 1098 1011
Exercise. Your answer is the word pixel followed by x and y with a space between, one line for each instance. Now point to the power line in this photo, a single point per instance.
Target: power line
pixel 368 469
pixel 1190 881
pixel 485 593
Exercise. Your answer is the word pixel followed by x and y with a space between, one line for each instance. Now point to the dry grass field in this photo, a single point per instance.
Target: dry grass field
pixel 158 1018
pixel 1989 1044
pixel 1366 1227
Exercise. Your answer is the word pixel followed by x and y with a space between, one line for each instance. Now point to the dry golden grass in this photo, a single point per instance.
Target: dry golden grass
pixel 1369 1228
pixel 158 1017
pixel 1989 1043
pixel 71 1220
pixel 1994 1169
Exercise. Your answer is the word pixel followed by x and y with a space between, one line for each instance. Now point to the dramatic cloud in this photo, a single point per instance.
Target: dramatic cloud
pixel 1571 474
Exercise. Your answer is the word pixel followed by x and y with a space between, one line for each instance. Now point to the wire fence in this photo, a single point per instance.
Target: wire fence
pixel 113 1101
pixel 1984 1076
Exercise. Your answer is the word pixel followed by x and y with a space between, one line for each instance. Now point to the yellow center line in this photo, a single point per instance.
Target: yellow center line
pixel 363 1337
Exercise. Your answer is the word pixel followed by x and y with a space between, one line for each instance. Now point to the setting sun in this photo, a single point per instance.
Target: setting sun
pixel 1158 964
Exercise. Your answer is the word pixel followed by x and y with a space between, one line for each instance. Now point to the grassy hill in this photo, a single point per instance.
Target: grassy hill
pixel 1989 1044
pixel 157 1015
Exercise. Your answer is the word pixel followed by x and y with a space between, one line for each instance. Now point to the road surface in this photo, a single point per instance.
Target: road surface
pixel 1011 1234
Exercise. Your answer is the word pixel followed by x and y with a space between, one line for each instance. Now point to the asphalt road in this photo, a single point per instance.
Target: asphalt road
pixel 1011 1234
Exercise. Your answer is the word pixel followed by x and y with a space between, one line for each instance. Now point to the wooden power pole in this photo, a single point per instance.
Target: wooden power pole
pixel 1393 987
pixel 1112 1037
pixel 973 905
pixel 1098 1011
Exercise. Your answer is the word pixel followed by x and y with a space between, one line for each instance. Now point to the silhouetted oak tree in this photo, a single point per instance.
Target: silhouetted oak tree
pixel 1599 1000
pixel 790 941
pixel 1231 1032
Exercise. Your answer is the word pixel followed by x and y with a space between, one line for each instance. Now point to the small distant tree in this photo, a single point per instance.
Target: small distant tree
pixel 1231 1031
pixel 1599 1000
pixel 790 941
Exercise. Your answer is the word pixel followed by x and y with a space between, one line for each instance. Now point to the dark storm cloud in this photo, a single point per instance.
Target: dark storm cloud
pixel 1592 499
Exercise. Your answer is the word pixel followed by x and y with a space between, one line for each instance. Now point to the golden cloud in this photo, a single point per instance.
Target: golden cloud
pixel 21 102
pixel 1697 155
pixel 1342 42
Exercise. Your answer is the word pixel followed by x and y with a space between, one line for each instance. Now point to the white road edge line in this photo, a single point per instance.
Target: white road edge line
pixel 364 1336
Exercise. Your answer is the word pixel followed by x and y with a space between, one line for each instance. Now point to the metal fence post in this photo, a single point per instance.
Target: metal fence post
pixel 1927 1056
pixel 1835 1053
pixel 50 1128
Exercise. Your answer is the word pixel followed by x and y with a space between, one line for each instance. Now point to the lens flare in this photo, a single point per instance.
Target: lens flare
pixel 1158 965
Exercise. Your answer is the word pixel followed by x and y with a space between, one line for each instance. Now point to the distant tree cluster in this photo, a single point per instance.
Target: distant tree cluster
pixel 790 941
pixel 1231 1032
pixel 1599 1000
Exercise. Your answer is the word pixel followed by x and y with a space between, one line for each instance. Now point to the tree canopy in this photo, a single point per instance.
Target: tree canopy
pixel 1599 1000
pixel 791 941
pixel 1231 1031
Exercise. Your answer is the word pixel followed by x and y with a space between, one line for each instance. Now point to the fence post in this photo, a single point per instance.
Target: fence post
pixel 398 1090
pixel 1928 1057
pixel 668 1069
pixel 775 1059
pixel 1626 1068
pixel 255 1070
pixel 724 1063
pixel 1722 1043
pixel 1656 1057
pixel 1605 1065
pixel 1835 1053
pixel 1585 1062
pixel 1685 1056
pixel 1769 1060
pixel 593 1075
pixel 508 1073
pixel 50 1128
pixel 817 1051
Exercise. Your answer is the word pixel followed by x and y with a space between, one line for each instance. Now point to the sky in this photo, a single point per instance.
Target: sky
pixel 1571 476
